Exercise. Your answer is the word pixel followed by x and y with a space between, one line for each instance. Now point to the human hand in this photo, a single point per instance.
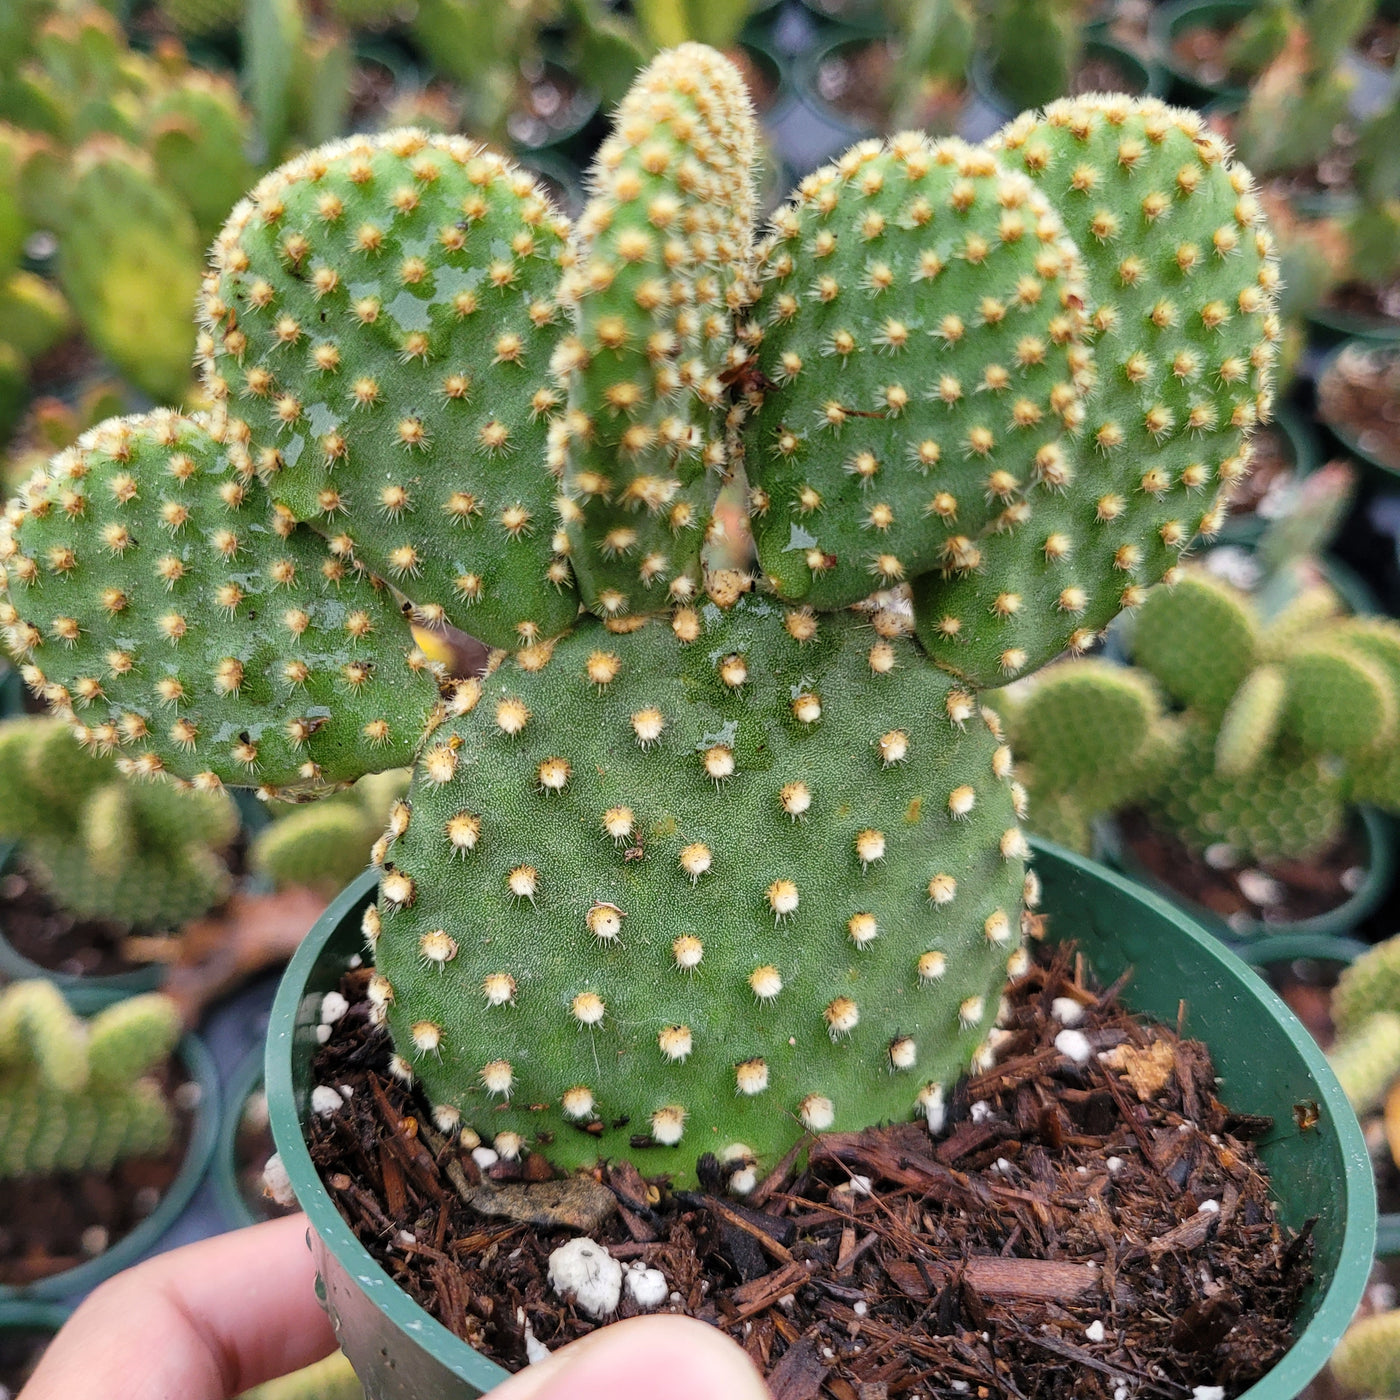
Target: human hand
pixel 210 1320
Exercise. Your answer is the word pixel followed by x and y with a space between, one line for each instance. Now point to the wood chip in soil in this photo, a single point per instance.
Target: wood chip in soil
pixel 1077 1232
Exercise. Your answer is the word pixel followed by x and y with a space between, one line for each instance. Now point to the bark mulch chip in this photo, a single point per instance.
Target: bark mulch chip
pixel 1077 1231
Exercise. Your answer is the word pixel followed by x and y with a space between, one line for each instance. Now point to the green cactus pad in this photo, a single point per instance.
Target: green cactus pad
pixel 1367 1359
pixel 73 1095
pixel 1340 701
pixel 1369 985
pixel 323 846
pixel 129 260
pixel 700 884
pixel 379 331
pixel 1082 725
pixel 664 251
pixel 1289 805
pixel 915 342
pixel 1251 721
pixel 159 605
pixel 1181 283
pixel 1367 1060
pixel 1198 638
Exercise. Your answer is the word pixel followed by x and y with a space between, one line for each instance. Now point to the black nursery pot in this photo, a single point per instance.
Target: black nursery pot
pixel 1267 1062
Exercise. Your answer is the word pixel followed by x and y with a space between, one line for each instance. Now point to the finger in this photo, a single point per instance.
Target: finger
pixel 199 1323
pixel 648 1358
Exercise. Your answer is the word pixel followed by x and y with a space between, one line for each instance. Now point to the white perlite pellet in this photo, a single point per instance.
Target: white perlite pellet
pixel 583 1270
pixel 1074 1045
pixel 325 1100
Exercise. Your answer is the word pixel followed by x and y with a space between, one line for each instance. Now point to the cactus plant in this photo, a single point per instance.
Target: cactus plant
pixel 137 854
pixel 324 845
pixel 678 869
pixel 1284 721
pixel 1367 1359
pixel 78 1095
pixel 132 161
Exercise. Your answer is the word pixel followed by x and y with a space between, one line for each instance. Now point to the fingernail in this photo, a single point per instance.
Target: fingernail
pixel 646 1358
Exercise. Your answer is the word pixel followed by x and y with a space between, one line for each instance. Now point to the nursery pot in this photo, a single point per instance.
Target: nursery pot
pixel 1169 22
pixel 1300 447
pixel 1267 1064
pixel 1139 79
pixel 1374 472
pixel 136 1244
pixel 223 1172
pixel 1377 840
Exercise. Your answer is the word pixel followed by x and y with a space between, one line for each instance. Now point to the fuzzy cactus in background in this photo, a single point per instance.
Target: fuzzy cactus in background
pixel 1367 1359
pixel 142 855
pixel 1284 721
pixel 324 845
pixel 683 871
pixel 78 1095
pixel 131 162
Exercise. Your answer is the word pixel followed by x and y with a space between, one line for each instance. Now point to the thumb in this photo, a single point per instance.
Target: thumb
pixel 646 1358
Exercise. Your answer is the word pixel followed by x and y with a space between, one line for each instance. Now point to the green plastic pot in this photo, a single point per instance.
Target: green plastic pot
pixel 1378 840
pixel 138 1243
pixel 1169 22
pixel 1142 79
pixel 1375 472
pixel 1330 325
pixel 1324 948
pixel 223 1171
pixel 1266 1061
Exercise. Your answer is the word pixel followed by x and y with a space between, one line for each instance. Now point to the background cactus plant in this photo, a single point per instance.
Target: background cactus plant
pixel 78 1095
pixel 132 161
pixel 143 855
pixel 324 845
pixel 1283 721
pixel 700 872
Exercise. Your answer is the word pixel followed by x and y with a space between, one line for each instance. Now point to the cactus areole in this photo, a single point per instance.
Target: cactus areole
pixel 691 868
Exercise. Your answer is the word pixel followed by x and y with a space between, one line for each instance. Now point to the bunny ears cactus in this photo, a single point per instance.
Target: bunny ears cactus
pixel 752 867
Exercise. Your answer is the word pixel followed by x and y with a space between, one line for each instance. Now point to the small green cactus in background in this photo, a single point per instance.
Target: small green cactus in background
pixel 331 1378
pixel 132 162
pixel 1367 1359
pixel 1034 46
pixel 682 869
pixel 1299 99
pixel 1367 1060
pixel 1283 722
pixel 142 855
pixel 1369 986
pixel 78 1095
pixel 324 845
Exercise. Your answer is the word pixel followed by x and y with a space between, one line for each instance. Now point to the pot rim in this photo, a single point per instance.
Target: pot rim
pixel 1307 1355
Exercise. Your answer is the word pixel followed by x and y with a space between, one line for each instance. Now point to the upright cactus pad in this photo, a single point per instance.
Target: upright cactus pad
pixel 76 1095
pixel 917 341
pixel 379 332
pixel 159 602
pixel 698 884
pixel 664 253
pixel 1199 639
pixel 1181 286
